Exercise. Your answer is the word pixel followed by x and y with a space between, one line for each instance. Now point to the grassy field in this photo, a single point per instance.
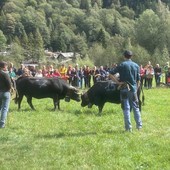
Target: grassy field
pixel 76 138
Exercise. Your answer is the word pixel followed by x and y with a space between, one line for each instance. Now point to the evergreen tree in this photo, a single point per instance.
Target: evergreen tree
pixel 2 41
pixel 116 26
pixel 10 27
pixel 2 21
pixel 2 3
pixel 101 38
pixel 85 4
pixel 31 47
pixel 38 46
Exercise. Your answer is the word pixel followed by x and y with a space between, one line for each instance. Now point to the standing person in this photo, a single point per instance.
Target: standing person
pixel 20 71
pixel 158 73
pixel 5 86
pixel 142 75
pixel 56 73
pixel 73 76
pixel 87 77
pixel 129 73
pixel 11 67
pixel 149 76
pixel 63 72
pixel 77 78
pixel 33 70
pixel 165 69
pixel 39 73
pixel 11 73
pixel 81 75
pixel 95 74
pixel 44 71
pixel 103 73
pixel 69 74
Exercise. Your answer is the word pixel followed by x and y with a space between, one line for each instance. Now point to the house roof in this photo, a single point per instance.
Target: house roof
pixel 67 55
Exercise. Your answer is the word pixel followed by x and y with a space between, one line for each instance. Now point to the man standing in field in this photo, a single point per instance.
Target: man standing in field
pixel 5 86
pixel 130 75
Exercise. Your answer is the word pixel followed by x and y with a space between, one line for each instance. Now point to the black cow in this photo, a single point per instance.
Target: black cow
pixel 102 92
pixel 54 88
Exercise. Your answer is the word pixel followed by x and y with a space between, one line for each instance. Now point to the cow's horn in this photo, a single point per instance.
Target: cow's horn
pixel 72 87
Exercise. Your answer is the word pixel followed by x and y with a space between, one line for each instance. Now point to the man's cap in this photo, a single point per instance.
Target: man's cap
pixel 2 64
pixel 128 53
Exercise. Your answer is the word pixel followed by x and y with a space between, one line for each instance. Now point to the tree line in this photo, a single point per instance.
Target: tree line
pixel 97 29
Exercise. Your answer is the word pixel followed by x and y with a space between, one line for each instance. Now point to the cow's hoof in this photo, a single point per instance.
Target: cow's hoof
pixel 90 105
pixel 67 99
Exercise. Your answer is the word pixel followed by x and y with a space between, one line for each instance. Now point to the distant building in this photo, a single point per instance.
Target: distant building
pixel 61 57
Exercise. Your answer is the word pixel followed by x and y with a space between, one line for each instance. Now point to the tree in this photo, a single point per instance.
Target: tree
pixel 117 27
pixel 165 55
pixel 163 34
pixel 10 27
pixel 107 3
pixel 19 29
pixel 156 56
pixel 78 45
pixel 96 53
pixel 2 3
pixel 97 3
pixel 38 46
pixel 16 53
pixel 126 12
pixel 85 4
pixel 2 41
pixel 141 55
pixel 2 21
pixel 31 48
pixel 102 38
pixel 24 40
pixel 74 3
pixel 30 20
pixel 147 30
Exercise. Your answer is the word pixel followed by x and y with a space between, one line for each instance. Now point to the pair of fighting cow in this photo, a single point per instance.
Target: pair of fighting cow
pixel 57 89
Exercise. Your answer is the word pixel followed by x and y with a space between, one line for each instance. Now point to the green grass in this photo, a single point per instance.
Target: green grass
pixel 77 138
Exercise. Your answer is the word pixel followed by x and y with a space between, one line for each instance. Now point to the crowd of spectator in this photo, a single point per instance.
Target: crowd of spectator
pixel 149 73
pixel 85 76
pixel 81 77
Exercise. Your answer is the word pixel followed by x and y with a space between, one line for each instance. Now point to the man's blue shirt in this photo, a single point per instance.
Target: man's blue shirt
pixel 129 72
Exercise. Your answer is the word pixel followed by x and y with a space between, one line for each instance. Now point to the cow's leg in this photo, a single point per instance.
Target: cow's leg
pixel 19 100
pixel 56 103
pixel 100 109
pixel 29 101
pixel 140 105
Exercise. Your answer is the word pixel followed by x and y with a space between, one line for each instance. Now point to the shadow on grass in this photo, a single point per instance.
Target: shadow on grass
pixel 80 134
pixel 22 110
pixel 96 113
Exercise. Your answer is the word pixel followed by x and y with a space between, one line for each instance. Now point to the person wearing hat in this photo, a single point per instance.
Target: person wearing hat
pixel 5 86
pixel 129 74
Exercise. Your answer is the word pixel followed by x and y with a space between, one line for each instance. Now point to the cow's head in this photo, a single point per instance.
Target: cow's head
pixel 84 99
pixel 73 94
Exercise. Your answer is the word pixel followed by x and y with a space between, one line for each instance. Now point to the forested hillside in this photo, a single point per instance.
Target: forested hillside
pixel 97 29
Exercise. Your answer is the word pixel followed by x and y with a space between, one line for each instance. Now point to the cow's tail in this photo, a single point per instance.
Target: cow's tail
pixel 143 96
pixel 16 98
pixel 16 92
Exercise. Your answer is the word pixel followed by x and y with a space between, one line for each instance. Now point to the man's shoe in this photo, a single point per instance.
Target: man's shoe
pixel 139 129
pixel 128 130
pixel 2 125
